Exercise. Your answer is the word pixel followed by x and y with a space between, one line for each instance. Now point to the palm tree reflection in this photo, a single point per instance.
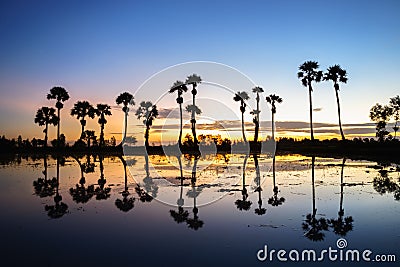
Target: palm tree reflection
pixel 44 187
pixel 59 208
pixel 194 223
pixel 341 225
pixel 312 226
pixel 244 204
pixel 260 210
pixel 101 191
pixel 149 184
pixel 181 215
pixel 125 204
pixel 275 200
pixel 81 194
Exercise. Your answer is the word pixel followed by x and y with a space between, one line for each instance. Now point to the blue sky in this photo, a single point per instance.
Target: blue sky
pixel 97 49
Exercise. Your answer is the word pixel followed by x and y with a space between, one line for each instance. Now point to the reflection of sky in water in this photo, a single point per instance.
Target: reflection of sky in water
pixel 98 232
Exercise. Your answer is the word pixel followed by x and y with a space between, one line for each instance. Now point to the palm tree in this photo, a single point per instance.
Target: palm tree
pixel 242 97
pixel 380 114
pixel 126 99
pixel 395 105
pixel 148 112
pixel 193 80
pixel 61 95
pixel 271 99
pixel 82 109
pixel 337 74
pixel 309 73
pixel 256 112
pixel 45 116
pixel 101 111
pixel 179 87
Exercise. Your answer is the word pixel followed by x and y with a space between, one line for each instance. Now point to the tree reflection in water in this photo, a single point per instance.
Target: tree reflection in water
pixel 81 194
pixel 260 210
pixel 194 223
pixel 149 185
pixel 102 192
pixel 313 226
pixel 42 186
pixel 59 208
pixel 384 184
pixel 181 215
pixel 244 204
pixel 275 200
pixel 125 204
pixel 342 225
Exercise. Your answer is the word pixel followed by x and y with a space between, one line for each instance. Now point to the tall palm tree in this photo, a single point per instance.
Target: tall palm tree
pixel 82 109
pixel 242 97
pixel 44 117
pixel 125 99
pixel 308 73
pixel 61 95
pixel 257 90
pixel 148 112
pixel 395 105
pixel 272 99
pixel 180 88
pixel 193 80
pixel 102 111
pixel 336 74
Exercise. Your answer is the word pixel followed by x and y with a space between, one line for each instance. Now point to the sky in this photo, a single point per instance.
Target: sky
pixel 98 49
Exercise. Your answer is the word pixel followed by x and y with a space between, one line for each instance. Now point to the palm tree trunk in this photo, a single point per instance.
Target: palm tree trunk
pixel 341 189
pixel 273 172
pixel 45 167
pixel 181 126
pixel 244 136
pixel 273 127
pixel 83 122
pixel 194 121
pixel 58 128
pixel 311 111
pixel 102 135
pixel 257 120
pixel 146 136
pixel 126 128
pixel 340 120
pixel 45 134
pixel 313 186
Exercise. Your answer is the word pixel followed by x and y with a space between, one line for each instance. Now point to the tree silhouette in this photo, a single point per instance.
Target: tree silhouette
pixel 194 223
pixel 312 226
pixel 88 136
pixel 44 187
pixel 81 194
pixel 271 99
pixel 244 204
pixel 256 112
pixel 260 210
pixel 102 111
pixel 181 215
pixel 149 185
pixel 275 200
pixel 395 105
pixel 126 204
pixel 61 95
pixel 82 109
pixel 44 117
pixel 148 112
pixel 336 74
pixel 307 74
pixel 242 97
pixel 380 114
pixel 125 99
pixel 342 225
pixel 101 191
pixel 180 88
pixel 59 208
pixel 193 80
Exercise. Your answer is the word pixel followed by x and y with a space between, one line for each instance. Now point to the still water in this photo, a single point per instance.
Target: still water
pixel 210 211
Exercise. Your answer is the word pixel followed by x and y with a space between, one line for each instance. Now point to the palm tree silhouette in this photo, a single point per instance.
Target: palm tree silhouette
pixel 312 226
pixel 59 208
pixel 148 112
pixel 81 194
pixel 336 74
pixel 101 111
pixel 260 210
pixel 275 200
pixel 101 191
pixel 341 226
pixel 194 223
pixel 82 109
pixel 380 114
pixel 44 187
pixel 193 80
pixel 271 99
pixel 45 116
pixel 256 112
pixel 309 73
pixel 149 185
pixel 125 99
pixel 61 95
pixel 395 105
pixel 126 204
pixel 244 204
pixel 180 88
pixel 242 97
pixel 181 215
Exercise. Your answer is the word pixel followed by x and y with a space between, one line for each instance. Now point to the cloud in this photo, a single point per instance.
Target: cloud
pixel 172 113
